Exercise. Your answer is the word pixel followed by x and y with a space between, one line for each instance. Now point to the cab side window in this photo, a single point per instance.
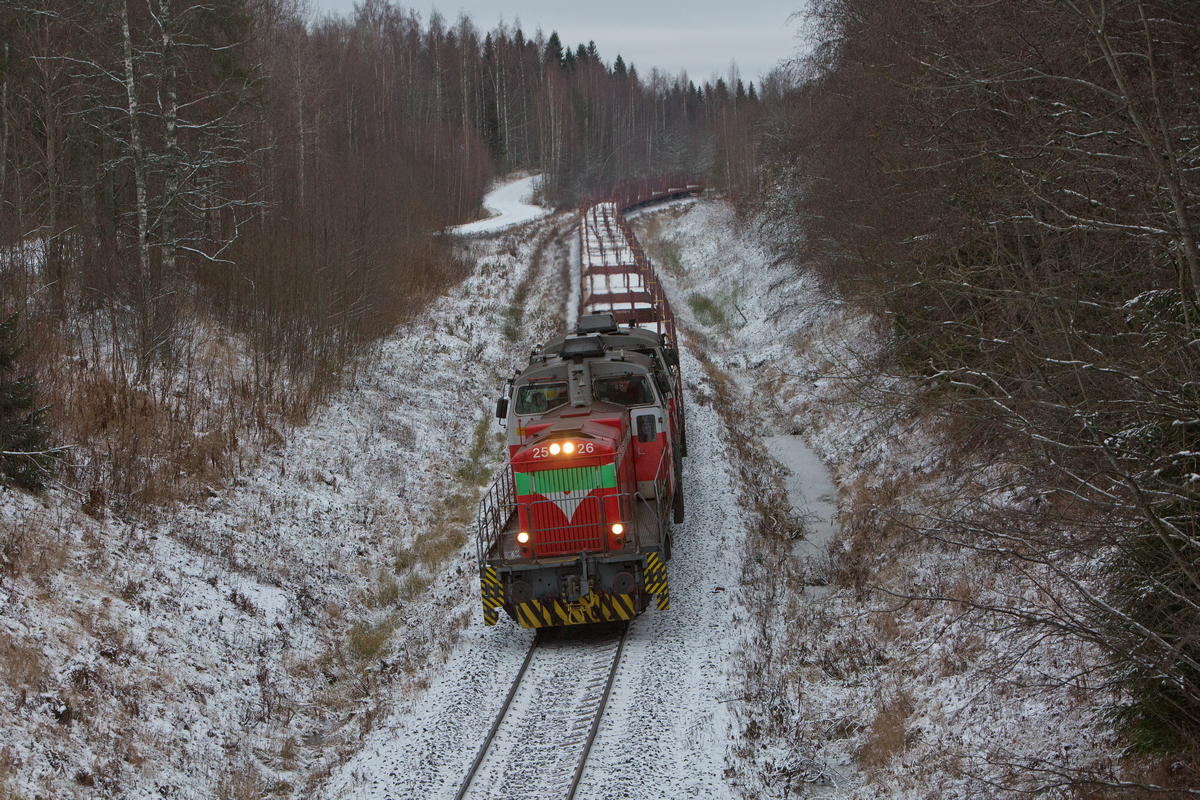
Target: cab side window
pixel 624 390
pixel 538 398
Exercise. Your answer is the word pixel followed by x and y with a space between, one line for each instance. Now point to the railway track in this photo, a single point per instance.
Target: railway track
pixel 540 740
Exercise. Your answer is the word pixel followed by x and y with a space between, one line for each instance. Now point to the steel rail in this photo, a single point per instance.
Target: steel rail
pixel 587 746
pixel 597 715
pixel 487 742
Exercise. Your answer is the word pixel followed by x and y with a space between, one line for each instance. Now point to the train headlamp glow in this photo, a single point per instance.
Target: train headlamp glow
pixel 618 529
pixel 568 447
pixel 554 448
pixel 523 537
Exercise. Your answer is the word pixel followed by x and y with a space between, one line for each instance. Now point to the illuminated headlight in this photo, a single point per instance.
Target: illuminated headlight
pixel 618 529
pixel 568 447
pixel 523 537
pixel 554 448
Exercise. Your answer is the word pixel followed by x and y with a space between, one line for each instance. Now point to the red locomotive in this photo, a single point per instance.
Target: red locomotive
pixel 576 528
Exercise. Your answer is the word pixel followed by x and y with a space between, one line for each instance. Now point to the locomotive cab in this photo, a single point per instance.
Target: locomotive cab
pixel 664 359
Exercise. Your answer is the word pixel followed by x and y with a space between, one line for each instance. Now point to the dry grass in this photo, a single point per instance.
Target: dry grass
pixel 31 547
pixel 874 526
pixel 962 593
pixel 155 447
pixel 288 752
pixel 886 625
pixel 887 734
pixel 368 641
pixel 240 781
pixel 437 545
pixel 413 586
pixel 23 666
pixel 383 592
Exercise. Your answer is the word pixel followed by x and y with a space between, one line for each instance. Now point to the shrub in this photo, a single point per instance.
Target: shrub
pixel 27 458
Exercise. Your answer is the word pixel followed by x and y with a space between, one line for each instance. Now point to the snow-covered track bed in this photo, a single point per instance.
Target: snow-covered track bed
pixel 543 732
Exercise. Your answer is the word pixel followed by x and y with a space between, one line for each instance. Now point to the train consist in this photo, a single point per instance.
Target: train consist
pixel 576 527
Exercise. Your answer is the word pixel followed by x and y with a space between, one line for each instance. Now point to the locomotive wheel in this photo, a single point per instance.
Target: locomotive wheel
pixel 677 505
pixel 682 441
pixel 666 547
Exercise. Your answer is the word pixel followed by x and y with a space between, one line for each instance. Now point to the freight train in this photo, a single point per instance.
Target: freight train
pixel 576 526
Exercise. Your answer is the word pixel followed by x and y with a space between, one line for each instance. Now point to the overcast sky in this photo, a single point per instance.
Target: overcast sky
pixel 701 36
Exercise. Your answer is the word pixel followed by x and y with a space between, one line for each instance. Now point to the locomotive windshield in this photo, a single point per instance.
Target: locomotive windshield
pixel 540 397
pixel 624 390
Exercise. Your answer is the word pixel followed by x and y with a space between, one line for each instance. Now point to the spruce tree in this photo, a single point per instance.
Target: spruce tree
pixel 25 456
pixel 554 50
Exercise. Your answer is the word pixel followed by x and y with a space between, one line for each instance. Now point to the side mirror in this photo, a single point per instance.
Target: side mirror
pixel 671 356
pixel 502 408
pixel 663 383
pixel 647 429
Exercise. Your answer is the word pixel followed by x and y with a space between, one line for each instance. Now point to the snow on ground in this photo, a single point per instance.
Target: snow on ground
pixel 316 628
pixel 849 692
pixel 245 645
pixel 509 206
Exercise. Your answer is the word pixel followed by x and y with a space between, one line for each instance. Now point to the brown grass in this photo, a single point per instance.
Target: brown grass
pixel 382 592
pixel 887 735
pixel 23 666
pixel 240 781
pixel 962 593
pixel 288 752
pixel 368 641
pixel 886 625
pixel 30 547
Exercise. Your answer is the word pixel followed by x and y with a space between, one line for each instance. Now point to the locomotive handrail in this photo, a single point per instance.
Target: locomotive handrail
pixel 660 488
pixel 495 508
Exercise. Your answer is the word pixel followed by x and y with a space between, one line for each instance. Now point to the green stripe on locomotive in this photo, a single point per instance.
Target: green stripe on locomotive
pixel 571 479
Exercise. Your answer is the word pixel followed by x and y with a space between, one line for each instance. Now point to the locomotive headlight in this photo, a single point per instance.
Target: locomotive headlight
pixel 554 448
pixel 523 537
pixel 568 447
pixel 618 529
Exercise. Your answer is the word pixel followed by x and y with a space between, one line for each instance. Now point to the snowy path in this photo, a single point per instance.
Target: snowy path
pixel 509 205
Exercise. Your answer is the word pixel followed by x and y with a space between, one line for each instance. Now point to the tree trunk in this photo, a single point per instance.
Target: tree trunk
pixel 144 292
pixel 170 211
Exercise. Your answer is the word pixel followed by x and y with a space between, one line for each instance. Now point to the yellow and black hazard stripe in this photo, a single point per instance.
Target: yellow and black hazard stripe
pixel 656 580
pixel 493 595
pixel 592 608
